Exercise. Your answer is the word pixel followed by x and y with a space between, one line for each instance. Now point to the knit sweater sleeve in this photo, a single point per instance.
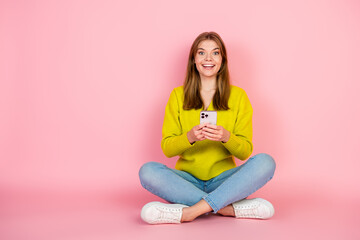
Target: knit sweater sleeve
pixel 240 141
pixel 174 141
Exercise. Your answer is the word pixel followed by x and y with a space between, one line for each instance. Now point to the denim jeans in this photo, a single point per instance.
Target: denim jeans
pixel 177 186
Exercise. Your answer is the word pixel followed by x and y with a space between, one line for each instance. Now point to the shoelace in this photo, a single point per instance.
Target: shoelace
pixel 248 211
pixel 168 214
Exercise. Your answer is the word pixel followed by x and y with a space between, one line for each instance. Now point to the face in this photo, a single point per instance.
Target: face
pixel 208 59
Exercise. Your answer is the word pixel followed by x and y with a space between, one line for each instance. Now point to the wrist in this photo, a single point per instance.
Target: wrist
pixel 226 137
pixel 190 139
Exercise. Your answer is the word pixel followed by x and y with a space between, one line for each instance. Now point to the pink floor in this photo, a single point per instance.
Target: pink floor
pixel 55 216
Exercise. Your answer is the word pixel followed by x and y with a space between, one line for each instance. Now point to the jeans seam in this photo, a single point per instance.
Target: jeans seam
pixel 211 203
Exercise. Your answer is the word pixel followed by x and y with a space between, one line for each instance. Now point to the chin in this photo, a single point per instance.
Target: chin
pixel 208 75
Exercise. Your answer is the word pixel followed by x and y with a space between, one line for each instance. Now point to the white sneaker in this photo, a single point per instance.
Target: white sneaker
pixel 157 212
pixel 253 208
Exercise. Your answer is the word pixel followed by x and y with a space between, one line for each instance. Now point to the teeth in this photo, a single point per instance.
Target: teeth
pixel 208 65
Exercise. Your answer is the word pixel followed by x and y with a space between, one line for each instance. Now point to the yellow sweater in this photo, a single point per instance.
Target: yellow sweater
pixel 207 159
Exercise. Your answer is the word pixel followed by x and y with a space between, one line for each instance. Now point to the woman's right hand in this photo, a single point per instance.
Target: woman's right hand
pixel 195 134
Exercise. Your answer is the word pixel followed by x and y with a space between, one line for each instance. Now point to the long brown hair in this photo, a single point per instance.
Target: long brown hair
pixel 192 83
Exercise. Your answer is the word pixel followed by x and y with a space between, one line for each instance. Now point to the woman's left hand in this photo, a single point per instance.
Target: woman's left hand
pixel 215 133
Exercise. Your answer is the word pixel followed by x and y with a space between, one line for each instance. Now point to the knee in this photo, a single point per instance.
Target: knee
pixel 148 172
pixel 265 162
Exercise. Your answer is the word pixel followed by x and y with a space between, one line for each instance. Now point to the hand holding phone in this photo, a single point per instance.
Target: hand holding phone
pixel 213 132
pixel 195 134
pixel 216 133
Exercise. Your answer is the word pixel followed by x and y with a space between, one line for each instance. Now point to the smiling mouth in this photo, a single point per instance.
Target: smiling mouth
pixel 208 66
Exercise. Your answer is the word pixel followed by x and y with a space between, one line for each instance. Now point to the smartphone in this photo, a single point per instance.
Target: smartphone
pixel 208 117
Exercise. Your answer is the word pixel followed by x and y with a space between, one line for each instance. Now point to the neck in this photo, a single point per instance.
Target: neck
pixel 208 84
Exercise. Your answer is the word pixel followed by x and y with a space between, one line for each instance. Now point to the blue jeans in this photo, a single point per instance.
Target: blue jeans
pixel 177 186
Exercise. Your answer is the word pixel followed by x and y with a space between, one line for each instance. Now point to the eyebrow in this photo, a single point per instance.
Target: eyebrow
pixel 204 49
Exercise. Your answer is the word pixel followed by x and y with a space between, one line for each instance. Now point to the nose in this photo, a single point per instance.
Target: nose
pixel 208 57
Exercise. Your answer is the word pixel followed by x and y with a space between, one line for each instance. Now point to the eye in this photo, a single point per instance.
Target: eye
pixel 216 53
pixel 201 53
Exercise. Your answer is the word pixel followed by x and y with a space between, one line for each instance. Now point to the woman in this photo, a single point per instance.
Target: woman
pixel 205 177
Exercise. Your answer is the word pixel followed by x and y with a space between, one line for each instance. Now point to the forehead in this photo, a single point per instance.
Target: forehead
pixel 208 45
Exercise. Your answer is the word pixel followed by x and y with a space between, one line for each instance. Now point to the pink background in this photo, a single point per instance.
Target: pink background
pixel 83 87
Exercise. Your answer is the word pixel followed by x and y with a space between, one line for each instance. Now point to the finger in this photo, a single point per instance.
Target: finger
pixel 199 131
pixel 206 129
pixel 201 137
pixel 211 138
pixel 198 135
pixel 211 135
pixel 212 126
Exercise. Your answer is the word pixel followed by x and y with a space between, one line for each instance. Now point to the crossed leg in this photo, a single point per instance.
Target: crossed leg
pixel 180 187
